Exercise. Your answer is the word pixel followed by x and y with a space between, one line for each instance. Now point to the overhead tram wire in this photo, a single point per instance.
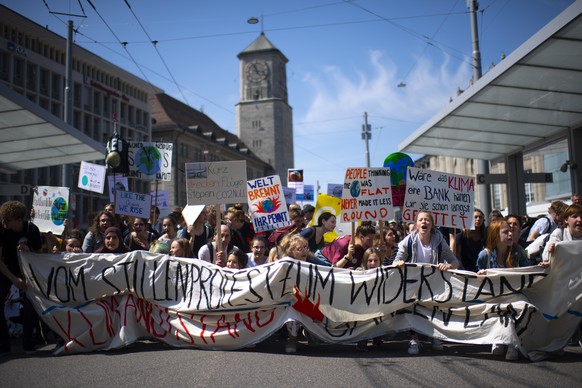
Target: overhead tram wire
pixel 403 82
pixel 106 46
pixel 124 45
pixel 415 34
pixel 154 44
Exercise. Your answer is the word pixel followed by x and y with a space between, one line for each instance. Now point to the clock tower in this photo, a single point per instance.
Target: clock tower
pixel 263 115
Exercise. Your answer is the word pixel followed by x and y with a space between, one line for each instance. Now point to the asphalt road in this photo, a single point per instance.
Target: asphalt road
pixel 150 364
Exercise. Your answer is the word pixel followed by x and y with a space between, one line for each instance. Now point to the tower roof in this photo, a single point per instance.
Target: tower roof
pixel 261 44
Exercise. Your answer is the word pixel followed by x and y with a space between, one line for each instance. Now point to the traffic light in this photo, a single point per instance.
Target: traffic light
pixel 117 155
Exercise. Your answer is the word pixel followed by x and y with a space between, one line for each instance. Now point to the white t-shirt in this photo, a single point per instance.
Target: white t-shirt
pixel 424 254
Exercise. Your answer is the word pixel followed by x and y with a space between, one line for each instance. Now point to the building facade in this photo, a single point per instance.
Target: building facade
pixel 196 138
pixel 263 115
pixel 33 63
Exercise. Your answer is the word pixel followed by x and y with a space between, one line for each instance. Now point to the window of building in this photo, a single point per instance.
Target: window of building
pixel 77 95
pixel 18 76
pixel 56 86
pixel 549 159
pixel 87 98
pixel 106 105
pixel 44 81
pixel 4 65
pixel 97 103
pixel 57 109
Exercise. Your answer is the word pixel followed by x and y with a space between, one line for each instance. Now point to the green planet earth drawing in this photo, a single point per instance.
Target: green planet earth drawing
pixel 149 160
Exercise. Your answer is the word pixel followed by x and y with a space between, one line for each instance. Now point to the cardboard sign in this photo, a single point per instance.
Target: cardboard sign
pixel 267 203
pixel 116 182
pixel 150 160
pixel 133 204
pixel 448 197
pixel 51 208
pixel 335 189
pixel 192 212
pixel 366 195
pixel 290 195
pixel 216 182
pixel 308 193
pixel 295 180
pixel 92 177
pixel 162 197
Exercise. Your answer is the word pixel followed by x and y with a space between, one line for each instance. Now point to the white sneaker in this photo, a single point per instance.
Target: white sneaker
pixel 437 344
pixel 512 354
pixel 413 347
pixel 497 349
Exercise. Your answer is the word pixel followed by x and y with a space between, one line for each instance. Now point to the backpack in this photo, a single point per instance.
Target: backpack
pixel 524 234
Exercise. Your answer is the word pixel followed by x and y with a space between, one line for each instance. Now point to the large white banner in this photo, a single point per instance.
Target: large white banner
pixel 109 301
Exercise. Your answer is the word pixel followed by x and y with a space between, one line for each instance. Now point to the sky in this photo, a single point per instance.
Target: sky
pixel 346 58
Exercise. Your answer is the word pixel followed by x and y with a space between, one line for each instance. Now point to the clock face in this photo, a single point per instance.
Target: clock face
pixel 257 71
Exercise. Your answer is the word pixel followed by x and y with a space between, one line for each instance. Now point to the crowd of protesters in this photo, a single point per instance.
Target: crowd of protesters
pixel 495 242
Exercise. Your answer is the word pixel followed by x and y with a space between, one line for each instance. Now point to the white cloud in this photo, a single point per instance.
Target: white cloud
pixel 339 94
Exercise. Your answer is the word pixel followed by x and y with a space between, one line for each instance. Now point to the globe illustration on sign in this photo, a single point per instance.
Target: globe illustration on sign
pixel 59 211
pixel 148 160
pixel 398 162
pixel 355 188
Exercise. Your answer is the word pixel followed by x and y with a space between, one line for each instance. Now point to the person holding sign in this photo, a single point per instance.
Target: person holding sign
pixel 345 252
pixel 207 252
pixel 425 245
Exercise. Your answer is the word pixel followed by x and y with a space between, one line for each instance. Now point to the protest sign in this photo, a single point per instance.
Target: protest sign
pixel 192 212
pixel 116 182
pixel 51 208
pixel 267 203
pixel 161 198
pixel 335 189
pixel 91 177
pixel 290 195
pixel 216 182
pixel 103 301
pixel 398 162
pixel 366 195
pixel 133 204
pixel 150 160
pixel 308 193
pixel 295 180
pixel 330 204
pixel 448 197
